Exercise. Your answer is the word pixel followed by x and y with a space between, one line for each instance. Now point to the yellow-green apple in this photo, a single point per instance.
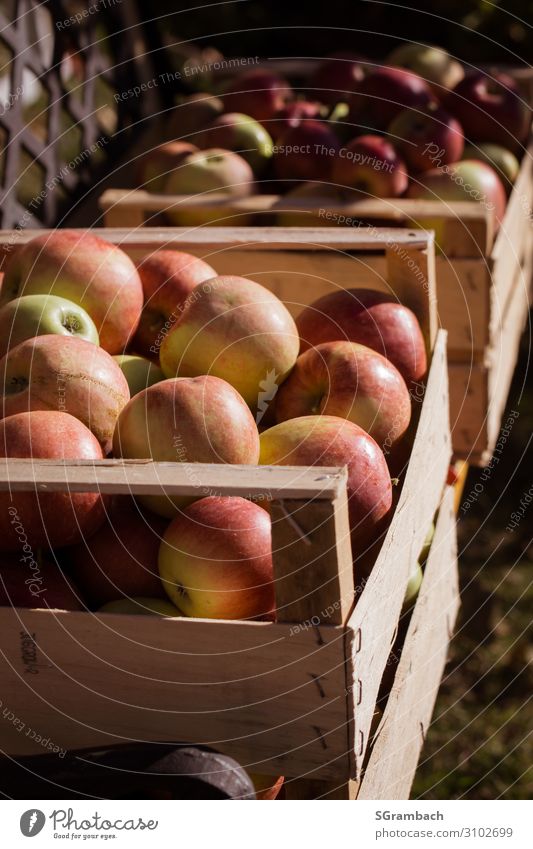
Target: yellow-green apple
pixel 168 278
pixel 242 134
pixel 427 544
pixel 208 171
pixel 36 582
pixel 215 560
pixel 413 585
pixel 186 420
pixel 502 160
pixel 257 93
pixel 331 441
pixel 142 605
pixel 237 330
pixel 468 180
pixel 66 374
pixel 120 559
pixel 370 318
pixel 491 109
pixel 350 381
pixel 432 63
pixel 372 165
pixel 42 315
pixel 87 270
pixel 154 167
pixel 306 152
pixel 427 138
pixel 292 115
pixel 31 520
pixel 139 372
pixel 337 77
pixel 384 92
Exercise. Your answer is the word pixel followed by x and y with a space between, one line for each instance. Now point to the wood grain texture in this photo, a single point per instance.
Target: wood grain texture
pixel 395 752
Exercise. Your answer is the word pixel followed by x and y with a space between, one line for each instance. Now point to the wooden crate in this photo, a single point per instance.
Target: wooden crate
pixel 295 697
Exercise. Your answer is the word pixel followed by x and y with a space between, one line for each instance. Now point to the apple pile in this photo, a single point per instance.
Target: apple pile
pixel 356 130
pixel 166 360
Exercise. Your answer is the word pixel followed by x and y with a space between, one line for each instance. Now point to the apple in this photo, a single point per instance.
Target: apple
pixel 427 138
pixel 331 441
pixel 337 77
pixel 237 330
pixel 290 213
pixel 154 166
pixel 432 63
pixel 292 115
pixel 352 382
pixel 186 420
pixel 413 586
pixel 267 787
pixel 242 134
pixel 120 559
pixel 193 114
pixel 502 160
pixel 31 520
pixel 370 318
pixel 42 315
pixel 306 152
pixel 371 165
pixel 142 605
pixel 257 93
pixel 386 91
pixel 36 582
pixel 85 269
pixel 427 544
pixel 140 373
pixel 491 109
pixel 66 374
pixel 168 277
pixel 468 180
pixel 215 560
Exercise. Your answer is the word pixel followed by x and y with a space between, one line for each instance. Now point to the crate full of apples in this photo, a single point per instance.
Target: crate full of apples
pixel 185 445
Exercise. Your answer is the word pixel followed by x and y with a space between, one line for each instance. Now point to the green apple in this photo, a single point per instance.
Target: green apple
pixel 427 544
pixel 140 605
pixel 242 134
pixel 139 372
pixel 413 585
pixel 501 159
pixel 41 315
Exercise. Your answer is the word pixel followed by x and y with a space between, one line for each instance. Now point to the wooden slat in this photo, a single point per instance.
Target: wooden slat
pixel 144 477
pixel 392 764
pixel 376 613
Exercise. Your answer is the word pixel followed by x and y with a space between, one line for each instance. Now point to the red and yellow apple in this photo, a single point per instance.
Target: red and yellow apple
pixel 306 152
pixel 502 160
pixel 66 374
pixel 31 520
pixel 154 166
pixel 42 315
pixel 427 138
pixel 370 318
pixel 370 164
pixel 435 65
pixel 242 134
pixel 215 560
pixel 352 382
pixel 87 270
pixel 237 330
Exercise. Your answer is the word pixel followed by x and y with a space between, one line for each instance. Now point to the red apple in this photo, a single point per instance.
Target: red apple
pixel 168 278
pixel 427 138
pixel 215 560
pixel 154 167
pixel 237 330
pixel 120 559
pixel 257 93
pixel 30 520
pixel 193 114
pixel 371 165
pixel 66 374
pixel 35 582
pixel 186 420
pixel 440 70
pixel 337 77
pixel 331 441
pixel 370 318
pixel 352 382
pixel 84 269
pixel 243 135
pixel 468 180
pixel 491 109
pixel 386 91
pixel 306 152
pixel 292 115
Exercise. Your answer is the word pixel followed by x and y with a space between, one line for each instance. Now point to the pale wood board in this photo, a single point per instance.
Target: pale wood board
pixel 395 752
